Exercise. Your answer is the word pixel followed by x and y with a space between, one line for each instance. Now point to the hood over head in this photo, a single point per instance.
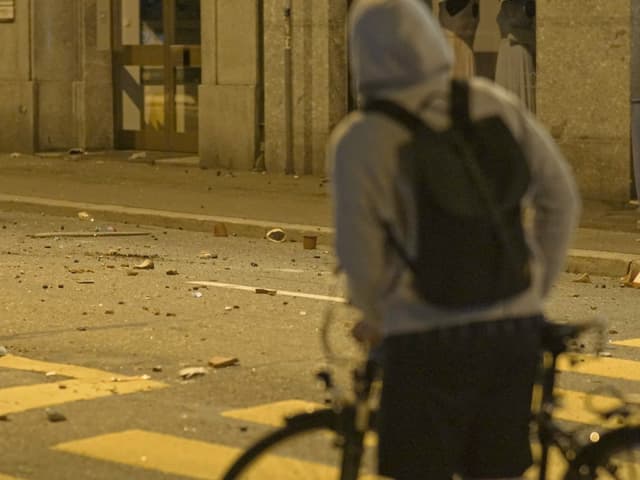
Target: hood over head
pixel 395 44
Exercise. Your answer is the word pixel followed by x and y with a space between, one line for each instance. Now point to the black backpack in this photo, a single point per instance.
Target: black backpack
pixel 468 182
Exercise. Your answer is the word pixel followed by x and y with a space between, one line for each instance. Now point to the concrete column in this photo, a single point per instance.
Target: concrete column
pixel 93 98
pixel 228 95
pixel 635 94
pixel 319 80
pixel 55 69
pixel 17 108
pixel 583 89
pixel 73 78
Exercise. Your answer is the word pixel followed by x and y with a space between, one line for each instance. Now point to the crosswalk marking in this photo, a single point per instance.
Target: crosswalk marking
pixel 84 384
pixel 23 363
pixel 272 413
pixel 573 407
pixel 631 342
pixel 601 367
pixel 189 458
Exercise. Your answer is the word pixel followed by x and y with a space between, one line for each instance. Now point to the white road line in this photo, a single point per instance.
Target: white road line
pixel 285 293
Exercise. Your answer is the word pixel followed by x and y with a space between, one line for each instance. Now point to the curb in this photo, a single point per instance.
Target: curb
pixel 594 262
pixel 161 218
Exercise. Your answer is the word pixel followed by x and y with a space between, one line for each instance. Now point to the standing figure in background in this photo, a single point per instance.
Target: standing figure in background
pixel 459 20
pixel 515 67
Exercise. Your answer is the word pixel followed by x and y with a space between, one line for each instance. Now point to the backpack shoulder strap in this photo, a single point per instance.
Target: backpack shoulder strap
pixel 459 108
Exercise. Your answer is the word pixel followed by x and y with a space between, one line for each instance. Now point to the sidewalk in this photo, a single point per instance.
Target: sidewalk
pixel 175 192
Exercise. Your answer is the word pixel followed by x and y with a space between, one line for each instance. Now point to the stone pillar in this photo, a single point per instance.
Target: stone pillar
pixel 583 89
pixel 319 80
pixel 93 91
pixel 55 69
pixel 75 99
pixel 228 95
pixel 635 94
pixel 17 90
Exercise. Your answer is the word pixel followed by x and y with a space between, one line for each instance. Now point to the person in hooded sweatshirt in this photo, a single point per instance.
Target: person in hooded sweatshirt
pixel 457 382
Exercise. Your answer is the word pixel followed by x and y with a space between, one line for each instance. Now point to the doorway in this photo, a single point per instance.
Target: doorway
pixel 157 71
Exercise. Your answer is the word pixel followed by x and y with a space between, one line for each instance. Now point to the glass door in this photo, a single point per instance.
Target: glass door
pixel 157 70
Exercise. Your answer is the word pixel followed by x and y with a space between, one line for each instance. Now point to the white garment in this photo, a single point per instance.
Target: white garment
pixel 515 66
pixel 460 31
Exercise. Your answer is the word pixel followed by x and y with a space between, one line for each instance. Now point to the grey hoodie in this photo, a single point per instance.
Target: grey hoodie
pixel 399 52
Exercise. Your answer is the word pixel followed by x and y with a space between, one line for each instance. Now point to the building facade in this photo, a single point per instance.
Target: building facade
pixel 250 84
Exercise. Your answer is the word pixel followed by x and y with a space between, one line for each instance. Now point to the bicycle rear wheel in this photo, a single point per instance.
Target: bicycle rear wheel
pixel 615 456
pixel 312 446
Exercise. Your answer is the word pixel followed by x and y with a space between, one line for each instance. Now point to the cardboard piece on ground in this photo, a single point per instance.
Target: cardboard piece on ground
pixel 222 362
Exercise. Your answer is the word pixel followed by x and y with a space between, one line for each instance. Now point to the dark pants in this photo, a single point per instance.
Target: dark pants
pixel 458 400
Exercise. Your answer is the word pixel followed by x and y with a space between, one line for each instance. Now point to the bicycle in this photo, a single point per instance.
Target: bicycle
pixel 614 454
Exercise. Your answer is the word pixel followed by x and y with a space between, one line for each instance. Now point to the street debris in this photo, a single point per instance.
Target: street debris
pixel 3 351
pixel 605 354
pixel 116 253
pixel 254 264
pixel 309 242
pixel 147 264
pixel 84 216
pixel 207 255
pixel 85 282
pixel 172 272
pixel 81 329
pixel 222 362
pixel 108 233
pixel 220 230
pixel 266 291
pixel 157 368
pixel 276 235
pixel 196 294
pixel 303 313
pixel 583 278
pixel 77 151
pixel 54 415
pixel 51 374
pixel 79 270
pixel 191 372
pixel 138 156
pixel 228 308
pixel 15 155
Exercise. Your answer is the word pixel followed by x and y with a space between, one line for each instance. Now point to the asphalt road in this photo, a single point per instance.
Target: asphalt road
pixel 103 344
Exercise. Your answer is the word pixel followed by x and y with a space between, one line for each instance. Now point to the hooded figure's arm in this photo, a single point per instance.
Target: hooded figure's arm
pixel 555 198
pixel 359 236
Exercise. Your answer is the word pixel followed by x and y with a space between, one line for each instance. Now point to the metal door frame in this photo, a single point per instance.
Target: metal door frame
pixel 167 55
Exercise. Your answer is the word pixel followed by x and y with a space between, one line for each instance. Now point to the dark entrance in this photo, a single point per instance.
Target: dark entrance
pixel 157 70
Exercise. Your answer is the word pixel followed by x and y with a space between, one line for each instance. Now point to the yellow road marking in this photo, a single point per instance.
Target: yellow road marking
pixel 188 458
pixel 7 477
pixel 22 363
pixel 631 342
pixel 602 367
pixel 556 466
pixel 86 384
pixel 19 399
pixel 272 413
pixel 573 407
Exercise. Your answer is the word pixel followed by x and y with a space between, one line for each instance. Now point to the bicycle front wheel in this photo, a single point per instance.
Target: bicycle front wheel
pixel 614 456
pixel 312 446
